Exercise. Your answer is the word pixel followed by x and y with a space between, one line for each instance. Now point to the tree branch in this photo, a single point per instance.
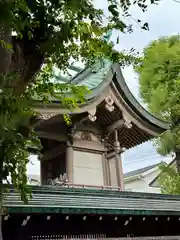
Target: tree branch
pixel 5 53
pixel 26 62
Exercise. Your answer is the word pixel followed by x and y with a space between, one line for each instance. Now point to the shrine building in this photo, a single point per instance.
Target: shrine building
pixel 109 122
pixel 82 189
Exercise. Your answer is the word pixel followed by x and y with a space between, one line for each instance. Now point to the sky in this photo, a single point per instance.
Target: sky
pixel 163 20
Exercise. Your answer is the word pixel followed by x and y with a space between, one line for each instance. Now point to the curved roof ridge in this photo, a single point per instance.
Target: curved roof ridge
pixel 134 102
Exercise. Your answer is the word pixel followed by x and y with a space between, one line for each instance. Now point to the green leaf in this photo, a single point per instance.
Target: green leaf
pixel 4 44
pixel 159 81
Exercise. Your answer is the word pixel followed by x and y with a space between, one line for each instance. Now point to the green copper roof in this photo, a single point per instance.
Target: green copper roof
pixel 60 199
pixel 93 77
pixel 96 76
pixel 90 76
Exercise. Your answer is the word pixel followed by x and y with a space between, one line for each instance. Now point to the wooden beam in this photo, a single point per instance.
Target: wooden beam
pixel 116 125
pixel 52 136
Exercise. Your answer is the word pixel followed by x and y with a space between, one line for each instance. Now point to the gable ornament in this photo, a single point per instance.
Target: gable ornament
pixel 109 104
pixel 92 115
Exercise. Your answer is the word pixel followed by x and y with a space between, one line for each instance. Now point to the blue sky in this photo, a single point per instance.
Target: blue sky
pixel 163 21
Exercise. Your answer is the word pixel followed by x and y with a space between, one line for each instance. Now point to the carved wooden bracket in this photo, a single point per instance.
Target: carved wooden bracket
pixel 86 136
pixel 127 121
pixel 92 115
pixel 109 104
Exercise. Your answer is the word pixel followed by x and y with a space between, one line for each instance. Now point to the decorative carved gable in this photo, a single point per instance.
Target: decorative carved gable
pixel 87 136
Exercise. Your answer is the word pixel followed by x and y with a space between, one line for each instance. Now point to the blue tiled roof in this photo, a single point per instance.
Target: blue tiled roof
pixel 97 75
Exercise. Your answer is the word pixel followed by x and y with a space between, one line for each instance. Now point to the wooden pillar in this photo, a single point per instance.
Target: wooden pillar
pixel 108 172
pixel 121 173
pixel 105 170
pixel 69 163
pixel 119 169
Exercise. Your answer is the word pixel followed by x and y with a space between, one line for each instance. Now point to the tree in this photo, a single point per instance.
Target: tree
pixel 169 179
pixel 159 78
pixel 35 37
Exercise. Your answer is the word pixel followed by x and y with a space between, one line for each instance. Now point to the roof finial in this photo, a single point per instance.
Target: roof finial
pixel 108 35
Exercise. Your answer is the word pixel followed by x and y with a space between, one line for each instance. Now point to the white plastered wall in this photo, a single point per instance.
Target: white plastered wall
pixel 88 168
pixel 88 160
pixel 113 172
pixel 142 184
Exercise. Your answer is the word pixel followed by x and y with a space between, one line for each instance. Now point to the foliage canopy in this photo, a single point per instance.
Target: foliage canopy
pixel 159 77
pixel 169 179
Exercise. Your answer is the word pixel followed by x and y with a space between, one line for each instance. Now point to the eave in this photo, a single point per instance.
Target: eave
pixel 48 199
pixel 111 84
pixel 131 101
